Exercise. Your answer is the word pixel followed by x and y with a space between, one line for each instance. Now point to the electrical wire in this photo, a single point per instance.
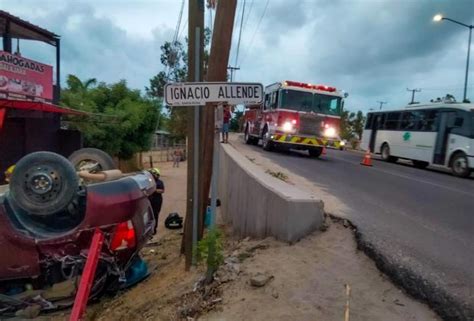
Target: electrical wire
pixel 255 32
pixel 240 33
pixel 248 14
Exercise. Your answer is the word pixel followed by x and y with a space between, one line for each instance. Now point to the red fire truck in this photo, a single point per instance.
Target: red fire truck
pixel 296 115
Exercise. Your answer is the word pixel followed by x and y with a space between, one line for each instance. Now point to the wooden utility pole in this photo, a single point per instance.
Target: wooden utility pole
pixel 217 71
pixel 196 38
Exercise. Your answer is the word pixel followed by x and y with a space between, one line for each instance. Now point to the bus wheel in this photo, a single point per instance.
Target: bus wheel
pixel 420 164
pixel 386 154
pixel 315 152
pixel 459 165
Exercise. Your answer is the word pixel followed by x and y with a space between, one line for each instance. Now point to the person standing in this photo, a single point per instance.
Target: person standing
pixel 176 158
pixel 227 115
pixel 156 199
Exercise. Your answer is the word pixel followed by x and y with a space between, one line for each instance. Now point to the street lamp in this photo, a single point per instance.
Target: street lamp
pixel 438 18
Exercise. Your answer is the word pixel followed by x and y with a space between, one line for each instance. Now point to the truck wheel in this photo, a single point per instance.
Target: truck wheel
pixel 386 154
pixel 315 152
pixel 267 143
pixel 459 165
pixel 91 159
pixel 420 164
pixel 43 183
pixel 249 140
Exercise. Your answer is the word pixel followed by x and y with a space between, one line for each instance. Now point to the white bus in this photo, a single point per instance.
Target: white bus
pixel 440 134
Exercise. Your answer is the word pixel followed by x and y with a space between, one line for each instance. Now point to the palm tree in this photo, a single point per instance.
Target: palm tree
pixel 75 85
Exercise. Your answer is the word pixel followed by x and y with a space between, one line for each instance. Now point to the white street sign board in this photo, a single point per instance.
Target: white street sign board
pixel 200 93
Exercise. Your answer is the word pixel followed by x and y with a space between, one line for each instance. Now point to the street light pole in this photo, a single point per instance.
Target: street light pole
pixel 467 64
pixel 438 18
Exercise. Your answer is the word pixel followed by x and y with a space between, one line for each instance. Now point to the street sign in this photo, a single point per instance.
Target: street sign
pixel 200 93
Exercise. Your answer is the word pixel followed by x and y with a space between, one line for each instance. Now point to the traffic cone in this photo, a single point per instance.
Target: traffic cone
pixel 324 150
pixel 367 161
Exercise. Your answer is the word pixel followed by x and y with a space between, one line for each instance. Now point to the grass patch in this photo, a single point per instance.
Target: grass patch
pixel 278 175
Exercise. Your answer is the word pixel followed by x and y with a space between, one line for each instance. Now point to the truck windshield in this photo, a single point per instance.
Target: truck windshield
pixel 309 102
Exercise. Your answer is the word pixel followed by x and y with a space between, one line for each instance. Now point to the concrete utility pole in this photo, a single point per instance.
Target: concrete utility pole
pixel 195 67
pixel 217 71
pixel 381 104
pixel 413 91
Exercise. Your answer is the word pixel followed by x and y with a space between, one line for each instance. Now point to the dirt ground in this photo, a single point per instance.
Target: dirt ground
pixel 307 280
pixel 309 283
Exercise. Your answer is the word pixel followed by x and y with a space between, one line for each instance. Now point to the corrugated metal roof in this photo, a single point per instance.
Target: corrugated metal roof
pixel 23 29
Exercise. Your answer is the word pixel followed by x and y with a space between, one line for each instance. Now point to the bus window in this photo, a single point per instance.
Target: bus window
pixel 462 124
pixel 392 122
pixel 413 120
pixel 430 121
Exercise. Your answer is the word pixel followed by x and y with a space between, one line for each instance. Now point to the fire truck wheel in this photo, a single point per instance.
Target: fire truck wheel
pixel 249 140
pixel 315 152
pixel 91 159
pixel 267 143
pixel 43 184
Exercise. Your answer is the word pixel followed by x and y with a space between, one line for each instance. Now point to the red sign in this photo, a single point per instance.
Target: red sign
pixel 21 78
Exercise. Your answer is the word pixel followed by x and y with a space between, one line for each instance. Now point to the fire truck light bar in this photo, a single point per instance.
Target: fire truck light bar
pixel 309 86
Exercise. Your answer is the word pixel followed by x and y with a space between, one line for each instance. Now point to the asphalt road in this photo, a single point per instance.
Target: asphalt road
pixel 423 219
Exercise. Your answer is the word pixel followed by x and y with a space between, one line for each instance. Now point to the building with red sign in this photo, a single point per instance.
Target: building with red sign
pixel 30 118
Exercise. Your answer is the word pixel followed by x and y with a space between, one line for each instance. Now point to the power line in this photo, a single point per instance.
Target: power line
pixel 178 24
pixel 248 14
pixel 240 33
pixel 255 32
pixel 184 27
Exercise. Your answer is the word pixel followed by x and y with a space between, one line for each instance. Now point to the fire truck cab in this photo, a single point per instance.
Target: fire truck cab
pixel 296 115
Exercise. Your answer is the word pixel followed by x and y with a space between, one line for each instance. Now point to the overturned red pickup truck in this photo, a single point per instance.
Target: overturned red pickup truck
pixel 47 219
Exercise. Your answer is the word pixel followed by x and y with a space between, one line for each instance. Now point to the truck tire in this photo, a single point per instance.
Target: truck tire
pixel 249 140
pixel 459 165
pixel 315 152
pixel 385 152
pixel 92 159
pixel 267 144
pixel 43 183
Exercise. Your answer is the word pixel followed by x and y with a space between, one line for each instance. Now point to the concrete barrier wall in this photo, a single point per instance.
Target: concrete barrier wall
pixel 258 205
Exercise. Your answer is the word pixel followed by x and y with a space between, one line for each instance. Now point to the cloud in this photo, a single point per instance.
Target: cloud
pixel 93 46
pixel 373 49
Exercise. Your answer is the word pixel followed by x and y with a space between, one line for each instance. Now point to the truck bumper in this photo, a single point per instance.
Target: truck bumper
pixel 304 142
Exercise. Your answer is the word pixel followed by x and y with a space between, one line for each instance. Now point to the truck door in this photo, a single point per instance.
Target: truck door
pixel 259 116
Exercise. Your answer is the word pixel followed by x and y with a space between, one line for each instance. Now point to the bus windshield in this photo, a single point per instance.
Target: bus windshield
pixel 309 102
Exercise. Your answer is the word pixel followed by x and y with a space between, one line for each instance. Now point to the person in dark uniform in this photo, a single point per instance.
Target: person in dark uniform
pixel 156 199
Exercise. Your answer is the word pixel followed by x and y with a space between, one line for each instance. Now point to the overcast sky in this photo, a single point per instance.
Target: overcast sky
pixel 373 49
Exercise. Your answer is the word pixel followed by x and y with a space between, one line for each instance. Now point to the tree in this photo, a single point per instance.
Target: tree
pixel 358 124
pixel 346 129
pixel 174 58
pixel 236 120
pixel 123 121
pixel 352 124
